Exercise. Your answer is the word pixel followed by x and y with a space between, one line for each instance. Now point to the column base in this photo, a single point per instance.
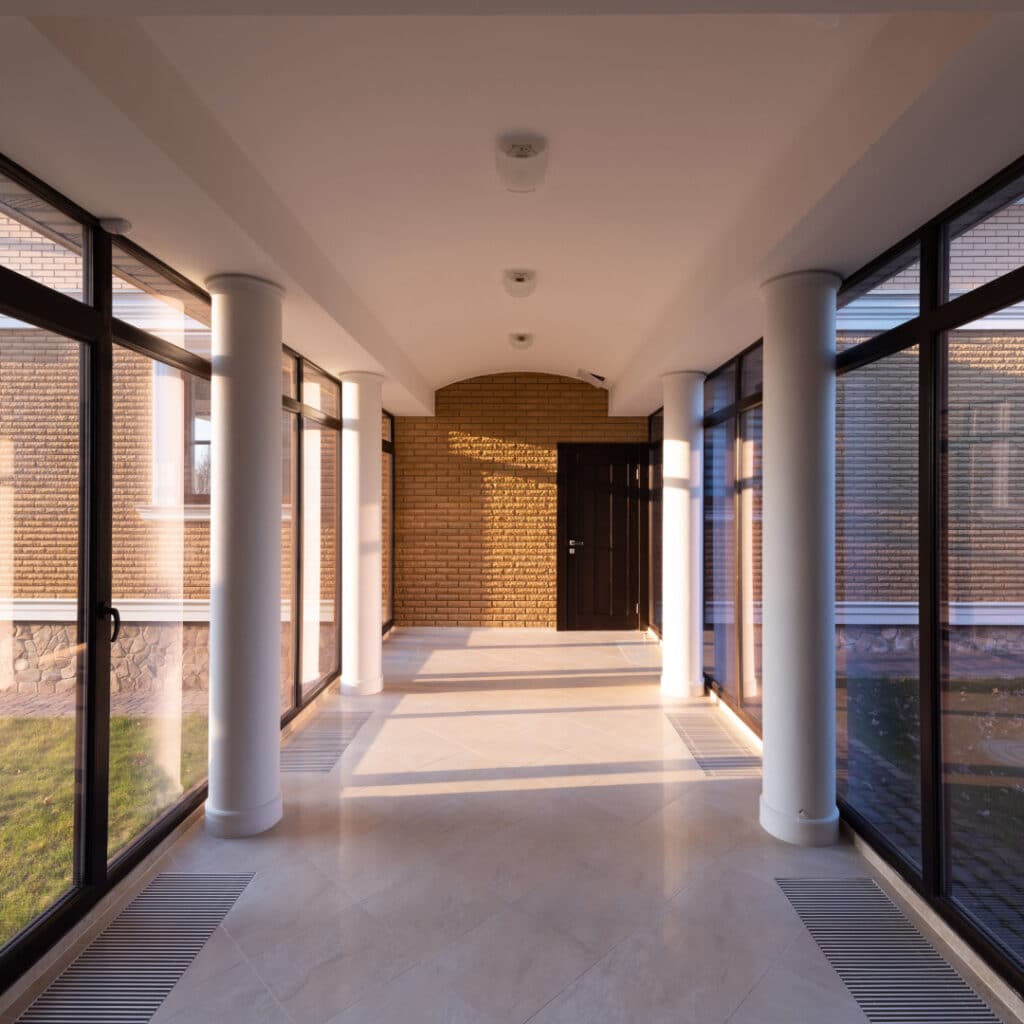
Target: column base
pixel 362 687
pixel 672 686
pixel 800 831
pixel 239 824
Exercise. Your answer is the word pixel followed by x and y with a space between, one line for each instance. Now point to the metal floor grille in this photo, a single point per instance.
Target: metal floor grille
pixel 318 746
pixel 892 971
pixel 716 750
pixel 128 970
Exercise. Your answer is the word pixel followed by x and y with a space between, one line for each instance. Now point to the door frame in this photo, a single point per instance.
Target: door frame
pixel 638 452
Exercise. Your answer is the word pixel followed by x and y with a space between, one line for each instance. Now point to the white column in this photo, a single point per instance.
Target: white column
pixel 361 532
pixel 681 533
pixel 798 794
pixel 245 541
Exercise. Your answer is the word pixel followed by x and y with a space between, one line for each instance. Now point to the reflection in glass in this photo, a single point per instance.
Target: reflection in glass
pixel 987 242
pixel 40 655
pixel 720 389
pixel 752 371
pixel 320 624
pixel 289 448
pixel 159 671
pixel 387 552
pixel 320 392
pixel 877 695
pixel 750 497
pixel 656 433
pixel 147 299
pixel 38 241
pixel 720 556
pixel 983 627
pixel 890 297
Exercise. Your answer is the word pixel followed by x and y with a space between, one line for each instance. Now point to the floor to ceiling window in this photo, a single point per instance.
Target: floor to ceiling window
pixel 387 504
pixel 105 472
pixel 655 435
pixel 732 531
pixel 930 563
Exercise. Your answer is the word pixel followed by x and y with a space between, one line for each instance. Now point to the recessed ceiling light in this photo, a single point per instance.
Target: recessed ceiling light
pixel 520 340
pixel 522 161
pixel 520 283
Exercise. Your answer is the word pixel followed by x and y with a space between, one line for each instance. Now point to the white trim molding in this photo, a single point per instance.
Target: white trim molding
pixel 132 611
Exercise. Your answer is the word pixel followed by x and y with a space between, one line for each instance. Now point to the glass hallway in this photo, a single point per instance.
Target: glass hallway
pixel 517 832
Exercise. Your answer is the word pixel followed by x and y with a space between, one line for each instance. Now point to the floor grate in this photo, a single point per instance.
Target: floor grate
pixel 318 746
pixel 892 971
pixel 717 752
pixel 128 970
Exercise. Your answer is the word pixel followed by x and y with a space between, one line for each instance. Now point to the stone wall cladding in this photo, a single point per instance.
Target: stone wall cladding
pixel 476 497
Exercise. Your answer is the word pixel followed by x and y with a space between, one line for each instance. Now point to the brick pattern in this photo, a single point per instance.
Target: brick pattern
pixel 877 474
pixel 476 497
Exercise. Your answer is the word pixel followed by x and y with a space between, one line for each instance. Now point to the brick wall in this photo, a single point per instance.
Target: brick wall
pixel 476 493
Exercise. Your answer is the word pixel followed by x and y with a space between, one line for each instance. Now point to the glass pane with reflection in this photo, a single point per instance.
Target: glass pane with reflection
pixel 159 666
pixel 41 659
pixel 878 721
pixel 983 626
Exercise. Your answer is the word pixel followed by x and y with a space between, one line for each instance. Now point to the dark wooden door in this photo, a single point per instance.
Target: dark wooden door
pixel 598 538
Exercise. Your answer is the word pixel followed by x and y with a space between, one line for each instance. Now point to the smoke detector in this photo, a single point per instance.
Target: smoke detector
pixel 115 225
pixel 522 161
pixel 520 340
pixel 595 379
pixel 520 283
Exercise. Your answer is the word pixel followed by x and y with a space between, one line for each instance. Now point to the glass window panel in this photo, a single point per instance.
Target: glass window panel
pixel 320 392
pixel 720 555
pixel 656 433
pixel 751 372
pixel 387 519
pixel 289 449
pixel 877 645
pixel 385 427
pixel 889 298
pixel 720 389
pixel 983 630
pixel 40 657
pixel 159 671
pixel 38 241
pixel 320 648
pixel 988 242
pixel 198 426
pixel 750 498
pixel 145 298
pixel 289 376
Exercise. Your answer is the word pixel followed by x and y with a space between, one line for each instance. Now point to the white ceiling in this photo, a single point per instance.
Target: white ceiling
pixel 352 159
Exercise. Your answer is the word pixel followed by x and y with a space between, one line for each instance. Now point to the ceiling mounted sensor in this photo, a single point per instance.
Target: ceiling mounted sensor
pixel 592 378
pixel 522 162
pixel 520 340
pixel 520 283
pixel 115 225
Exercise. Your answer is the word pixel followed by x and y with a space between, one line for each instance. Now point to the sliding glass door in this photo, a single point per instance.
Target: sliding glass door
pixel 41 640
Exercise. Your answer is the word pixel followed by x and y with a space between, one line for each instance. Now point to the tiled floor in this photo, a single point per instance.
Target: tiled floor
pixel 517 833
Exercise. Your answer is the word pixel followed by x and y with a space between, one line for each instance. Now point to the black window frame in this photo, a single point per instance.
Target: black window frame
pixel 91 322
pixel 388 447
pixel 734 411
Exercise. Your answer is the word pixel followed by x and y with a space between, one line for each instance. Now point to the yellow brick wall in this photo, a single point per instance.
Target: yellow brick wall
pixel 476 497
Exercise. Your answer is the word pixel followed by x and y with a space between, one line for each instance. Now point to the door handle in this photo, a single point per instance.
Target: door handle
pixel 108 611
pixel 575 543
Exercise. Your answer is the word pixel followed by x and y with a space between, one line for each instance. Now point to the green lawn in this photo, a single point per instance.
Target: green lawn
pixel 37 801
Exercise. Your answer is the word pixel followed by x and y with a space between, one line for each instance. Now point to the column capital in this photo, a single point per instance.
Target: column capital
pixel 227 284
pixel 822 277
pixel 360 377
pixel 683 373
